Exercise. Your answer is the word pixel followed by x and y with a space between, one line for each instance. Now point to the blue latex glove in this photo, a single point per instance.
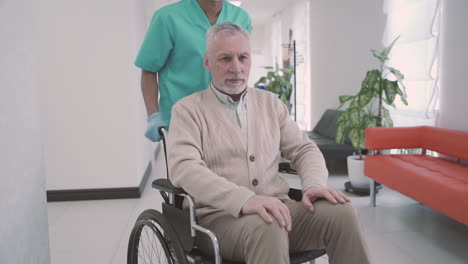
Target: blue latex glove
pixel 154 121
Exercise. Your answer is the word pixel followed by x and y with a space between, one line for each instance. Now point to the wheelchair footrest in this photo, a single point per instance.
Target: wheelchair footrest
pixel 302 257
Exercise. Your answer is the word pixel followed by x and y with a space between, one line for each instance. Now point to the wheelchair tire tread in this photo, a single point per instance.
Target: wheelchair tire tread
pixel 158 218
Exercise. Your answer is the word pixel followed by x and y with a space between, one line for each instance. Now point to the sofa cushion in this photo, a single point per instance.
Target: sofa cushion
pixel 329 148
pixel 435 182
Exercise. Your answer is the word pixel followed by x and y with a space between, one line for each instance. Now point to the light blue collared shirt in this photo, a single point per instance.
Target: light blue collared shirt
pixel 236 109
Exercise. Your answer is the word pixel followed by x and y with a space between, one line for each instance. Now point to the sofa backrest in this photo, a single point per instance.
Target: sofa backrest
pixel 377 138
pixel 447 141
pixel 326 126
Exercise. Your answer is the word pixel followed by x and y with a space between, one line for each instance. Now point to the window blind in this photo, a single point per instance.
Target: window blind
pixel 416 55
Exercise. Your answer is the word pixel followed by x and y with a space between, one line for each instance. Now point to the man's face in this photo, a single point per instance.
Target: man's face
pixel 228 60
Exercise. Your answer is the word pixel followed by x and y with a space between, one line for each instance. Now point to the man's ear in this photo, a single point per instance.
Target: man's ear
pixel 205 62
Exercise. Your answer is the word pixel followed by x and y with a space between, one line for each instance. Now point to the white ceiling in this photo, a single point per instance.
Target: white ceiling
pixel 262 10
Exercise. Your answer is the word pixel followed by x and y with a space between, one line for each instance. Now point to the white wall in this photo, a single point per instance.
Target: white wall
pixel 454 63
pixel 259 41
pixel 292 18
pixel 342 34
pixel 267 40
pixel 23 220
pixel 94 117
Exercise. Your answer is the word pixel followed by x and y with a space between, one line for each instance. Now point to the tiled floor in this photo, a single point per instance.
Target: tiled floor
pixel 398 231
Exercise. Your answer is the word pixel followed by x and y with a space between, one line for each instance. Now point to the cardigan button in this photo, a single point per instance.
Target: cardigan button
pixel 252 158
pixel 254 182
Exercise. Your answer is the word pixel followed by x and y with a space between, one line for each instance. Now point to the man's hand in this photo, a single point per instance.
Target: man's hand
pixel 266 206
pixel 154 122
pixel 316 192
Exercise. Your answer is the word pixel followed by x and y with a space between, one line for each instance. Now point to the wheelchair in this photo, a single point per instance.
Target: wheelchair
pixel 168 236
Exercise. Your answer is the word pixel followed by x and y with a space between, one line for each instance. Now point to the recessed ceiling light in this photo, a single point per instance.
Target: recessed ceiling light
pixel 236 3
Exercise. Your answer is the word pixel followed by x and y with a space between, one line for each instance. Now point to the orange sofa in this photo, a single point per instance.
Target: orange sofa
pixel 439 183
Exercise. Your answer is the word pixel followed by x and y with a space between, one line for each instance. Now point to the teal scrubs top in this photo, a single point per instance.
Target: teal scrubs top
pixel 174 47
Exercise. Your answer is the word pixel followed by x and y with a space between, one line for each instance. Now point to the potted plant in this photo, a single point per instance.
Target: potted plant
pixel 369 108
pixel 277 80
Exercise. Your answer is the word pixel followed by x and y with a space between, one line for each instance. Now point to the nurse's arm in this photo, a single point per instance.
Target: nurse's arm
pixel 150 89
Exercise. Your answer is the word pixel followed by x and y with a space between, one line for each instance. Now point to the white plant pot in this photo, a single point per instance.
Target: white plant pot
pixel 356 172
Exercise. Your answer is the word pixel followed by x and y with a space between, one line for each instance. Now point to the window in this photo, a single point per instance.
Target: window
pixel 416 55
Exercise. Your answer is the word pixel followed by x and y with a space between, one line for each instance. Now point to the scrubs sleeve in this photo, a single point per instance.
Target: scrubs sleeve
pixel 157 45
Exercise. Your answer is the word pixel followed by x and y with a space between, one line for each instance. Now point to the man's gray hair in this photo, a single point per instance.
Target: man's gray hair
pixel 225 27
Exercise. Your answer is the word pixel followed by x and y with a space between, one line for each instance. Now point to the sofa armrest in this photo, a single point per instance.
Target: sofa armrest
pixel 378 138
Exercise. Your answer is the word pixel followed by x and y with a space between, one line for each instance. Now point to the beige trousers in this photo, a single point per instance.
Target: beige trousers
pixel 250 239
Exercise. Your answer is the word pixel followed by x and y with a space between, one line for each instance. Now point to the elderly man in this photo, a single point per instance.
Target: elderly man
pixel 223 150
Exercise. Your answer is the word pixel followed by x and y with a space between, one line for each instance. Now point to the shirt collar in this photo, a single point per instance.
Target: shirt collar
pixel 226 99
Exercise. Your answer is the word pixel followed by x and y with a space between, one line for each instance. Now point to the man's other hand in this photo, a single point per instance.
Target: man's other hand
pixel 267 206
pixel 154 122
pixel 316 192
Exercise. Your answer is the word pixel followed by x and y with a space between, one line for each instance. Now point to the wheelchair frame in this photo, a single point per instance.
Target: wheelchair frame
pixel 172 208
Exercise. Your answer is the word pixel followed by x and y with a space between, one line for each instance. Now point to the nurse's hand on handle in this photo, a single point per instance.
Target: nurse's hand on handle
pixel 154 121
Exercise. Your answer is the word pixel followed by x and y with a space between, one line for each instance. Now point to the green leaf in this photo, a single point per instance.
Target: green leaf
pixel 275 81
pixel 390 88
pixel 402 96
pixel 355 138
pixel 287 71
pixel 404 88
pixel 399 91
pixel 378 56
pixel 354 104
pixel 387 50
pixel 355 117
pixel 340 134
pixel 262 80
pixel 371 81
pixel 365 96
pixel 345 98
pixel 387 117
pixel 370 121
pixel 383 55
pixel 403 99
pixel 271 76
pixel 283 98
pixel 276 87
pixel 398 75
pixel 342 118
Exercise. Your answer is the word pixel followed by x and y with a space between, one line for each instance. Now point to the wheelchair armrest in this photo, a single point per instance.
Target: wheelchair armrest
pixel 166 186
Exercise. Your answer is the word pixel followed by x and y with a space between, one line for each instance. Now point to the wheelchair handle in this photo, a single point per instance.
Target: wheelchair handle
pixel 162 130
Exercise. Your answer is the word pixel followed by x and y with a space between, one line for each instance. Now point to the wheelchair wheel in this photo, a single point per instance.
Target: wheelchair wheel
pixel 154 241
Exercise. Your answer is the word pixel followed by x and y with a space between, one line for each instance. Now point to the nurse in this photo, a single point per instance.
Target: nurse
pixel 171 56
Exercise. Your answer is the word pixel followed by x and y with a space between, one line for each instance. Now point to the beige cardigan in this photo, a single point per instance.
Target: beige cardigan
pixel 207 158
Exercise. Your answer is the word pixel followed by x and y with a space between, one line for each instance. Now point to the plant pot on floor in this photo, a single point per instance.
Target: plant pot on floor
pixel 356 172
pixel 359 183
